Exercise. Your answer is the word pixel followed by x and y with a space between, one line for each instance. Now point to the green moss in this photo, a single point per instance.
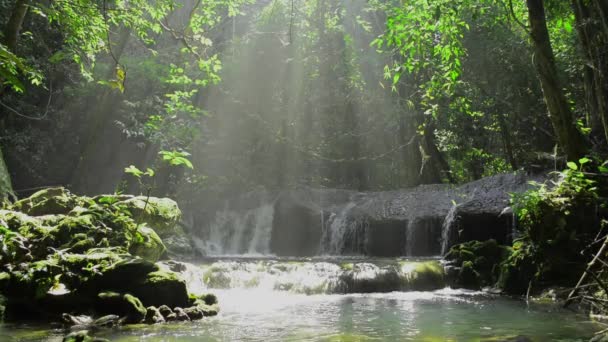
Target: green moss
pixel 147 244
pixel 347 266
pixel 426 275
pixel 47 202
pixel 161 214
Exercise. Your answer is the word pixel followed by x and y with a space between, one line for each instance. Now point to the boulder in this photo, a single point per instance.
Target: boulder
pixel 51 201
pixel 162 288
pixel 153 316
pixel 124 305
pixel 161 214
pixel 147 244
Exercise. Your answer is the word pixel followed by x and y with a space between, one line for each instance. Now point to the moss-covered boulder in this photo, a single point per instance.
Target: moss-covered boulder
pixel 63 255
pixel 424 276
pixel 147 244
pixel 49 201
pixel 163 288
pixel 477 263
pixel 124 305
pixel 161 214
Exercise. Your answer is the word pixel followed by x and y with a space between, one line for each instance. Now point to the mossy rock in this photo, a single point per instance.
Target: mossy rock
pixel 161 214
pixel 51 201
pixel 147 244
pixel 479 262
pixel 124 305
pixel 425 276
pixel 163 288
pixel 468 277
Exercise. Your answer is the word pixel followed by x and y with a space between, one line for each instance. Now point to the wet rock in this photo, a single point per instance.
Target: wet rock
pixel 207 310
pixel 82 336
pixel 209 298
pixel 124 305
pixel 477 263
pixel 468 277
pixel 153 315
pixel 424 276
pixel 163 288
pixel 181 314
pixel 80 320
pixel 194 313
pixel 148 245
pixel 599 338
pixel 107 321
pixel 165 310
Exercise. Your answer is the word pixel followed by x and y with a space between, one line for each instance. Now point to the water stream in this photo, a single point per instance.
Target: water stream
pixel 340 299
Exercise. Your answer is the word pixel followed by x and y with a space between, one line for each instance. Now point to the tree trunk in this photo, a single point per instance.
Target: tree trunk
pixel 13 26
pixel 569 138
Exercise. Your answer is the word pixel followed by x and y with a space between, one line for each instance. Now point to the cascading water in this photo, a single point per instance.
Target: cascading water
pixel 343 234
pixel 447 230
pixel 313 277
pixel 239 232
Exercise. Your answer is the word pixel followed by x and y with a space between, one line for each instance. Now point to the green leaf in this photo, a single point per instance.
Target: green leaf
pixel 135 172
pixel 584 161
pixel 572 166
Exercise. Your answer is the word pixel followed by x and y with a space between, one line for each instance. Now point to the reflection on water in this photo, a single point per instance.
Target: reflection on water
pixel 261 315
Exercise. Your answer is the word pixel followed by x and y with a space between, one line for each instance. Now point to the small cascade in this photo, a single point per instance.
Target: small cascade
pixel 239 232
pixel 343 234
pixel 310 277
pixel 447 230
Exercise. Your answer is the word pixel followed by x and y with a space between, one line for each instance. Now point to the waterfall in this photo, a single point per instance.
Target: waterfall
pixel 343 234
pixel 447 230
pixel 239 232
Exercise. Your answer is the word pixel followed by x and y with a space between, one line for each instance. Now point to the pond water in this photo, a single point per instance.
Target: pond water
pixel 255 311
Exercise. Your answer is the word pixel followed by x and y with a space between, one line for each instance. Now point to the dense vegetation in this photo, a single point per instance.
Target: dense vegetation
pixel 197 100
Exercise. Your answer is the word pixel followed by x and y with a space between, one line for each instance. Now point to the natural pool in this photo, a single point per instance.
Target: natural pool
pixel 254 311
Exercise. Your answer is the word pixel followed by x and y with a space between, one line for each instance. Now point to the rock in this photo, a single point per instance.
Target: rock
pixel 161 214
pixel 78 336
pixel 51 201
pixel 172 317
pixel 122 276
pixel 165 310
pixel 424 276
pixel 599 338
pixel 478 263
pixel 181 314
pixel 153 316
pixel 147 244
pixel 108 321
pixel 163 288
pixel 81 320
pixel 468 277
pixel 194 313
pixel 125 305
pixel 209 298
pixel 207 310
pixel 179 243
pixel 82 336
